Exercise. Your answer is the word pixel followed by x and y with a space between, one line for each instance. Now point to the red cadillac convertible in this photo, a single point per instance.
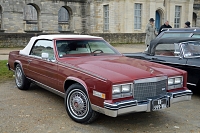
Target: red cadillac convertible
pixel 93 77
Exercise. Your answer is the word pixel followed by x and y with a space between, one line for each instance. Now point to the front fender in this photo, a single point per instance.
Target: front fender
pixel 78 81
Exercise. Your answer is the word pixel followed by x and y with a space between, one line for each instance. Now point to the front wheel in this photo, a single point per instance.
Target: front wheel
pixel 20 79
pixel 78 106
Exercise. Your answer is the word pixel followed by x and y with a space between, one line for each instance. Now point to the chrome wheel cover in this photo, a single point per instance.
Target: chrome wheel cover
pixel 18 76
pixel 78 104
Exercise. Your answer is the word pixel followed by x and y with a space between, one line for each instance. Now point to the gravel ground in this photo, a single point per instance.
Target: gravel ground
pixel 39 111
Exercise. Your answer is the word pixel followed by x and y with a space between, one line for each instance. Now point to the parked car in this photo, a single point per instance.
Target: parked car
pixel 93 77
pixel 182 53
pixel 179 32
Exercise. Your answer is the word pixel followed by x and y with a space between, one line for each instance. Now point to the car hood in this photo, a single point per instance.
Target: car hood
pixel 120 68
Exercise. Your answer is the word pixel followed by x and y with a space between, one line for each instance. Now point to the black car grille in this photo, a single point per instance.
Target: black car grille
pixel 143 91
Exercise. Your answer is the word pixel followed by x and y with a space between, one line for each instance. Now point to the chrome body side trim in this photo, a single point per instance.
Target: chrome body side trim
pixel 177 64
pixel 192 84
pixel 48 88
pixel 131 106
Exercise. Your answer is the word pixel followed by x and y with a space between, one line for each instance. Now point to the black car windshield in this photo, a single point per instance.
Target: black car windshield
pixel 84 47
pixel 191 49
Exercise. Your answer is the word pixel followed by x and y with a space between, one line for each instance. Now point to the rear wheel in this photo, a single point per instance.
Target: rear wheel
pixel 20 79
pixel 78 106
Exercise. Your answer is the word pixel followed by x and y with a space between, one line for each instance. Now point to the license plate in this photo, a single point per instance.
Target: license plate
pixel 159 104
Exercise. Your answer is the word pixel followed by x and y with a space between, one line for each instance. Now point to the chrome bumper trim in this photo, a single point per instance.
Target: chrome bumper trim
pixel 191 84
pixel 8 66
pixel 131 106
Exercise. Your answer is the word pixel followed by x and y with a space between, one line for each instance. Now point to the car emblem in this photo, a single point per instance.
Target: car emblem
pixel 151 71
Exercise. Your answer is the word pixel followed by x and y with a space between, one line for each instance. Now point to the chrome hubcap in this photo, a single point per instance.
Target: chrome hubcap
pixel 78 104
pixel 18 76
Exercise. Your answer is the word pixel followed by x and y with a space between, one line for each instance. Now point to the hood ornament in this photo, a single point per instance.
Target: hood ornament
pixel 151 71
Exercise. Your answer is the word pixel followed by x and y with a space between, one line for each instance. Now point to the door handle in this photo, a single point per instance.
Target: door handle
pixel 29 61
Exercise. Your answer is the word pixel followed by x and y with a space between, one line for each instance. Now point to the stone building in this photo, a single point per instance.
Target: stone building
pixel 131 16
pixel 117 21
pixel 196 13
pixel 91 16
pixel 46 16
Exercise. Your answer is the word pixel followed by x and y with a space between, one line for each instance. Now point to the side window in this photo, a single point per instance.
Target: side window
pixel 196 36
pixel 191 49
pixel 43 46
pixel 165 49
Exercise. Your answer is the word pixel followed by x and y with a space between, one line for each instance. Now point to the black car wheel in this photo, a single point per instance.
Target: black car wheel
pixel 21 81
pixel 78 106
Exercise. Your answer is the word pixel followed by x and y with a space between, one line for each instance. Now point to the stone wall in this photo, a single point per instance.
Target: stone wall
pixel 22 39
pixel 14 39
pixel 122 38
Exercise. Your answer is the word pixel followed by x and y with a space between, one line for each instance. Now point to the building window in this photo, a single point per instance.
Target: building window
pixel 137 16
pixel 30 13
pixel 177 17
pixel 106 17
pixel 63 15
pixel 63 20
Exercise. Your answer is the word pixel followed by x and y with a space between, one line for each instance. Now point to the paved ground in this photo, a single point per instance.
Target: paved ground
pixel 126 48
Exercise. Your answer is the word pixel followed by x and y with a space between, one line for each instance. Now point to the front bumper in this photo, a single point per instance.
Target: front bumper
pixel 131 106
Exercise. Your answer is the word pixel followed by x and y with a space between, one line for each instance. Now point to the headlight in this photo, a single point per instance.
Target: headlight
pixel 178 80
pixel 170 81
pixel 116 89
pixel 126 88
pixel 122 90
pixel 175 82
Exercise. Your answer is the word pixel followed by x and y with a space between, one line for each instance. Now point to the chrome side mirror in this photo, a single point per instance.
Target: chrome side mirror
pixel 45 56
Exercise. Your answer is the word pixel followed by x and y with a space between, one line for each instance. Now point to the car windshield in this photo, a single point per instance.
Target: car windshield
pixel 191 49
pixel 175 34
pixel 83 47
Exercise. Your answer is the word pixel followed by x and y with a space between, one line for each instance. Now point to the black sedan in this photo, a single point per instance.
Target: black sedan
pixel 182 53
pixel 179 32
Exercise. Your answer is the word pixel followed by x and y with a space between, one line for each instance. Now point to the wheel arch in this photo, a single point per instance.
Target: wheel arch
pixel 72 80
pixel 18 62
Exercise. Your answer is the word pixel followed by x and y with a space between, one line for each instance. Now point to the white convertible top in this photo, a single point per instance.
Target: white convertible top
pixel 56 36
pixel 28 47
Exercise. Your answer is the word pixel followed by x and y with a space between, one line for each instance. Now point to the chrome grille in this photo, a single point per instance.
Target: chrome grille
pixel 144 90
